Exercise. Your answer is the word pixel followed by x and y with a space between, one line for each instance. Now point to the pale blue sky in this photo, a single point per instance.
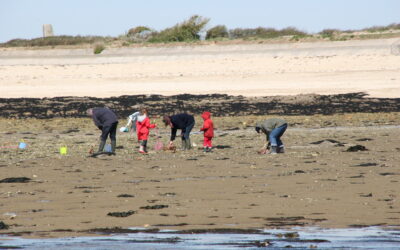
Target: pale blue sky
pixel 24 18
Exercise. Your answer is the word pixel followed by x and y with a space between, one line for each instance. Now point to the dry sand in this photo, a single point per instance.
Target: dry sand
pixel 369 66
pixel 316 183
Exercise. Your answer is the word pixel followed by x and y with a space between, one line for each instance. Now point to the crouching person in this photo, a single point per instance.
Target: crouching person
pixel 273 128
pixel 106 120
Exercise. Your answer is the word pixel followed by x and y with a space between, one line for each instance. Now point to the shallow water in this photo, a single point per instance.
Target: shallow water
pixel 354 238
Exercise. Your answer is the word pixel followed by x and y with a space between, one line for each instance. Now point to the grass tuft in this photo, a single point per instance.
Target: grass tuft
pixel 98 48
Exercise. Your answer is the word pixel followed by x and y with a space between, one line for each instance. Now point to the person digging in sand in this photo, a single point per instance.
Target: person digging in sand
pixel 273 128
pixel 183 121
pixel 106 120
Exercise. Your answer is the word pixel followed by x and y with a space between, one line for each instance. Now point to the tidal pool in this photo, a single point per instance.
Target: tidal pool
pixel 298 238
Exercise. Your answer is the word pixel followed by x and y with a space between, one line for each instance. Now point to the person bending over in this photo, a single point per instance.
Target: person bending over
pixel 183 121
pixel 106 120
pixel 273 128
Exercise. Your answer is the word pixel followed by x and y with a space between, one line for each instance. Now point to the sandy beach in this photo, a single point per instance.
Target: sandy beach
pixel 319 181
pixel 368 66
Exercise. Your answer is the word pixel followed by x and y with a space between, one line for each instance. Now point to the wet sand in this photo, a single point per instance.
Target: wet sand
pixel 315 183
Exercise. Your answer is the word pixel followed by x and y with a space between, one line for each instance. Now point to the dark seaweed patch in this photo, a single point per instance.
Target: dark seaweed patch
pixel 368 164
pixel 171 240
pixel 68 106
pixel 222 146
pixel 326 140
pixel 3 225
pixel 293 218
pixel 37 210
pixel 290 235
pixel 15 180
pixel 356 148
pixel 357 176
pixel 171 225
pixel 168 194
pixel 363 225
pixel 366 195
pixel 386 174
pixel 70 131
pixel 119 230
pixel 286 221
pixel 329 179
pixel 222 159
pixel 364 139
pixel 86 187
pixel 125 196
pixel 251 244
pixel 154 207
pixel 121 214
pixel 221 231
pixel 231 129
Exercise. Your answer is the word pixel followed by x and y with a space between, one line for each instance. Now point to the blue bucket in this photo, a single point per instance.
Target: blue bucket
pixel 22 145
pixel 108 148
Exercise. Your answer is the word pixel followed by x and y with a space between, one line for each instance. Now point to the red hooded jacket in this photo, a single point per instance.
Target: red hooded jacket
pixel 143 128
pixel 208 126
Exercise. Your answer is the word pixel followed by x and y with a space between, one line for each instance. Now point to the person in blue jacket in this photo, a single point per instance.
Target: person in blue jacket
pixel 182 121
pixel 106 120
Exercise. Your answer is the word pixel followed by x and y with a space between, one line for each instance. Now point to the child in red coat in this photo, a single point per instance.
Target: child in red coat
pixel 208 128
pixel 143 127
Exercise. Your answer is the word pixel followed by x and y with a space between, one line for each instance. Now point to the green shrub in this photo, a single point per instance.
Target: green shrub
pixel 139 34
pixel 393 26
pixel 185 31
pixel 328 33
pixel 55 40
pixel 291 31
pixel 264 33
pixel 137 30
pixel 241 33
pixel 98 48
pixel 219 31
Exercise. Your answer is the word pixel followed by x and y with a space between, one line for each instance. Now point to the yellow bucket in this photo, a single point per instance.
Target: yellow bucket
pixel 63 150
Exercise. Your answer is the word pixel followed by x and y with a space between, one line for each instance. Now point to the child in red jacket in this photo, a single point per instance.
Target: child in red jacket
pixel 143 127
pixel 208 128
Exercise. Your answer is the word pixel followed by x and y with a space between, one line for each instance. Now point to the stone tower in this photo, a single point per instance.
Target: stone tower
pixel 47 30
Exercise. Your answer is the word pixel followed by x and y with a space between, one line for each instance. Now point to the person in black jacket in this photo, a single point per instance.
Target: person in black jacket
pixel 106 120
pixel 183 121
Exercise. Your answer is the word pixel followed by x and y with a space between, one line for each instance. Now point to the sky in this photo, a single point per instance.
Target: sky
pixel 24 18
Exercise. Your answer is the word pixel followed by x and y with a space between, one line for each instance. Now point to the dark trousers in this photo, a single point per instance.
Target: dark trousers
pixel 186 131
pixel 109 130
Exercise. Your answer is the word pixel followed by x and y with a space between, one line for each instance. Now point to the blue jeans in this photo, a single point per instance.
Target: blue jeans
pixel 186 131
pixel 275 135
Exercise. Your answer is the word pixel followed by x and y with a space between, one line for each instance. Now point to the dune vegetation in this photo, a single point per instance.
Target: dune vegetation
pixel 195 30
